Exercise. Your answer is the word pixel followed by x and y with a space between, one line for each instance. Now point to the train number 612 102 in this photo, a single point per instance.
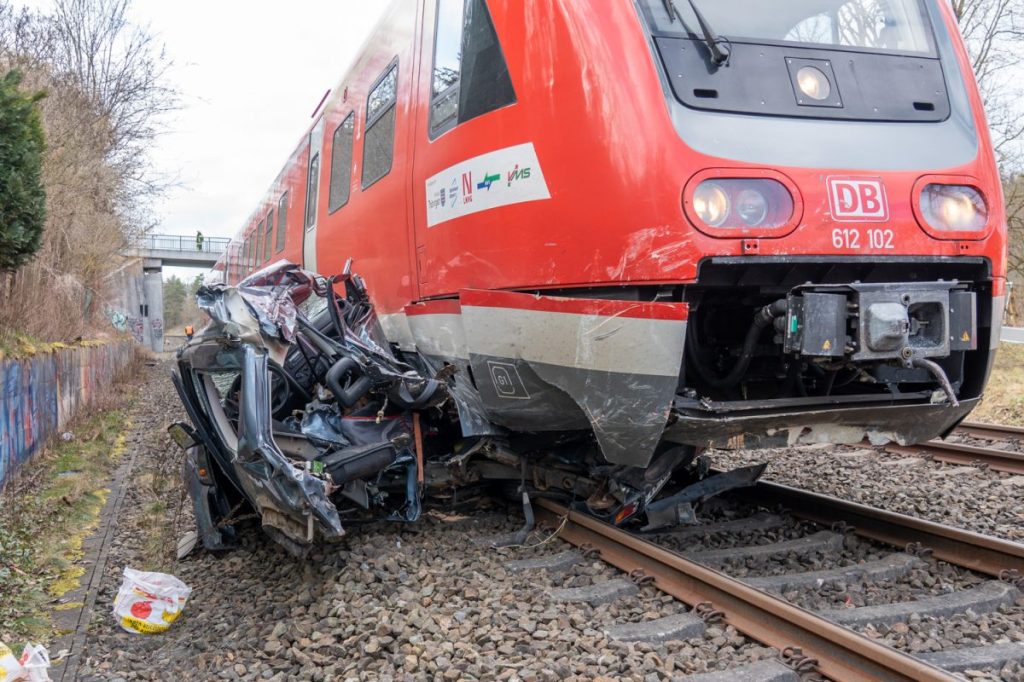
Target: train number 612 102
pixel 850 238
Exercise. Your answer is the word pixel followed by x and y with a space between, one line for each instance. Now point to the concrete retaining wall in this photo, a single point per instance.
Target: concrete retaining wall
pixel 41 394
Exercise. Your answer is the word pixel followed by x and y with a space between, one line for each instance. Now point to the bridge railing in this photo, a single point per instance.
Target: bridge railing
pixel 176 242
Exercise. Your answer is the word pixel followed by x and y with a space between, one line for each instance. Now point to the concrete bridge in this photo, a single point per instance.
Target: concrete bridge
pixel 174 250
pixel 142 289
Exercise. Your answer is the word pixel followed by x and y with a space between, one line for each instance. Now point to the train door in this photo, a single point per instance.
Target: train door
pixel 316 139
pixel 458 172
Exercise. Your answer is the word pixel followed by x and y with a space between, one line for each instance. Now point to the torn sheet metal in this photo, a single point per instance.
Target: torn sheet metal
pixel 295 410
pixel 440 338
pixel 556 363
pixel 269 478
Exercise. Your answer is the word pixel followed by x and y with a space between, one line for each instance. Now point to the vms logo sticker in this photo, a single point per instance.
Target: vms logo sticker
pixel 858 199
pixel 518 173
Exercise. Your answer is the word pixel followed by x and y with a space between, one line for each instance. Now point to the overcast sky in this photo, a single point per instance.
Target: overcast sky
pixel 250 74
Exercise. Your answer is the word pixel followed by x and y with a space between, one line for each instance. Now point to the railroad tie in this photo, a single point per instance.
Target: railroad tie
pixel 984 598
pixel 595 595
pixel 492 541
pixel 822 540
pixel 762 671
pixel 976 658
pixel 891 567
pixel 562 561
pixel 759 521
pixel 676 627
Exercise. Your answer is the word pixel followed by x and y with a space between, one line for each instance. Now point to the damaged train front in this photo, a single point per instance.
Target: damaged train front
pixel 302 416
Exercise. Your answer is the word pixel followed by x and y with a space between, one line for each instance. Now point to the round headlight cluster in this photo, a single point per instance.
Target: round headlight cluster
pixel 738 203
pixel 954 208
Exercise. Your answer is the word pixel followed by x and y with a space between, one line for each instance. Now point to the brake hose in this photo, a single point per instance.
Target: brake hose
pixel 762 319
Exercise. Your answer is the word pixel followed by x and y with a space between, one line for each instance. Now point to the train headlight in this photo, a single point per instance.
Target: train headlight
pixel 813 83
pixel 751 206
pixel 711 203
pixel 953 208
pixel 742 203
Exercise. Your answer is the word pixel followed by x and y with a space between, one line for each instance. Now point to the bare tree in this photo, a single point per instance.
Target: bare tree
pixel 122 69
pixel 994 33
pixel 105 81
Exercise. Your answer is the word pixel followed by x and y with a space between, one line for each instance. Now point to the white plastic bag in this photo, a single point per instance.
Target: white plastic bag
pixel 33 666
pixel 148 603
pixel 10 668
pixel 35 659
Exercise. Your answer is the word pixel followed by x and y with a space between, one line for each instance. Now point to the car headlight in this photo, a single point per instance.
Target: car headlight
pixel 954 208
pixel 741 203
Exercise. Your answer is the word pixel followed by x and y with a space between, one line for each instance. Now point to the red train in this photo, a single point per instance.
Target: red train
pixel 700 222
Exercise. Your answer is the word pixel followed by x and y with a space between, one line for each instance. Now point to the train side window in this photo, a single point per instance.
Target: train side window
pixel 486 83
pixel 266 237
pixel 282 213
pixel 257 238
pixel 470 76
pixel 246 247
pixel 341 164
pixel 379 139
pixel 444 86
pixel 312 188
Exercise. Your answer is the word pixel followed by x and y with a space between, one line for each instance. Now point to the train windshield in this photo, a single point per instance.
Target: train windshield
pixel 878 25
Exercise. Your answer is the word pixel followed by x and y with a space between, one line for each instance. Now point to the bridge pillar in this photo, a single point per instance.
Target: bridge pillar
pixel 153 320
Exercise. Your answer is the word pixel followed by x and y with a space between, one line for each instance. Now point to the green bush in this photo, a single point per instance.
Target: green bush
pixel 22 196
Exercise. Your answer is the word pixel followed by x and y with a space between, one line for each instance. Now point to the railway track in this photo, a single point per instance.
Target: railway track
pixel 827 641
pixel 966 454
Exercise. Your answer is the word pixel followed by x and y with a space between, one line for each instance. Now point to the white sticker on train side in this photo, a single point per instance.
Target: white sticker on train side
pixel 499 178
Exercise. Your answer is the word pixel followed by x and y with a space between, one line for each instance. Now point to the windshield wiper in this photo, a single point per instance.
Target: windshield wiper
pixel 719 46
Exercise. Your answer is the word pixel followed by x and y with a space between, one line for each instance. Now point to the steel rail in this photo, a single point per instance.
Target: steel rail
pixel 958 453
pixel 997 431
pixel 841 653
pixel 977 552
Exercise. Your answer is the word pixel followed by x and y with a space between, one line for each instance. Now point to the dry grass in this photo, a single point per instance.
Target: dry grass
pixel 50 507
pixel 1004 396
pixel 46 514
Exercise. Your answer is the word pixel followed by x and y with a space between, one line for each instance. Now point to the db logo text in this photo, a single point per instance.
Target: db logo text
pixel 858 199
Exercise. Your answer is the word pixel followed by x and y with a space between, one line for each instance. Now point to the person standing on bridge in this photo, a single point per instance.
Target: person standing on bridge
pixel 199 241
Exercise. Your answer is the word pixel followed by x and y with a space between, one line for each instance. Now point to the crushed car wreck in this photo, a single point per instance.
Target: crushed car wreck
pixel 303 416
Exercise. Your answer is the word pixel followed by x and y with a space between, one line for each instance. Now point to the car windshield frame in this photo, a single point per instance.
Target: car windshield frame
pixel 656 15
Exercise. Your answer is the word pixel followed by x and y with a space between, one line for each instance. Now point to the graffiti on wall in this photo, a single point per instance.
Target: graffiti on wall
pixel 157 325
pixel 118 319
pixel 42 393
pixel 136 327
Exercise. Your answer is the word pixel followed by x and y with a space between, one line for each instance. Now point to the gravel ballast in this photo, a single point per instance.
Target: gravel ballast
pixel 390 602
pixel 973 498
pixel 432 601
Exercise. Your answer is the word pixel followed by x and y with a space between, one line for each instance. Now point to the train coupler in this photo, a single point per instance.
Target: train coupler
pixel 899 322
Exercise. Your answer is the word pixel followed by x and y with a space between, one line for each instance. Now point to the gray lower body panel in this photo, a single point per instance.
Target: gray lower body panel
pixel 880 424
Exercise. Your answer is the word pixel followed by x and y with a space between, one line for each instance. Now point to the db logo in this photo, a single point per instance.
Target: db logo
pixel 858 199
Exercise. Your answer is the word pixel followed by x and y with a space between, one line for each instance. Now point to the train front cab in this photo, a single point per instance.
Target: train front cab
pixel 847 157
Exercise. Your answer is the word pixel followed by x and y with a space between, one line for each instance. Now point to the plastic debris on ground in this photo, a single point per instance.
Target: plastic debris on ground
pixel 148 603
pixel 33 666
